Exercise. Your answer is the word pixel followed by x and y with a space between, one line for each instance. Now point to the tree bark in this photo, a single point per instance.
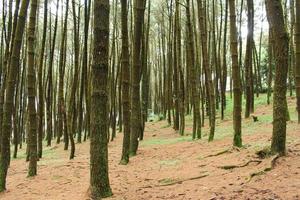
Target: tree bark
pixel 237 90
pixel 10 90
pixel 99 180
pixel 297 67
pixel 125 84
pixel 276 20
pixel 136 77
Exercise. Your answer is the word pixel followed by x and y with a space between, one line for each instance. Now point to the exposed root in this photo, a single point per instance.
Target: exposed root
pixel 183 180
pixel 264 153
pixel 267 169
pixel 219 153
pixel 228 167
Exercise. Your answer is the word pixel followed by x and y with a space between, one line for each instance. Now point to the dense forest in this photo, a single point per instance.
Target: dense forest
pixel 108 88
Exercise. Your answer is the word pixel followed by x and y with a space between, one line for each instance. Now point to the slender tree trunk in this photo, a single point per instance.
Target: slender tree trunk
pixel 136 77
pixel 40 84
pixel 145 73
pixel 292 59
pixel 31 86
pixel 194 85
pixel 125 84
pixel 99 181
pixel 224 69
pixel 8 103
pixel 237 90
pixel 49 104
pixel 61 99
pixel 249 60
pixel 72 100
pixel 270 65
pixel 208 75
pixel 297 67
pixel 276 21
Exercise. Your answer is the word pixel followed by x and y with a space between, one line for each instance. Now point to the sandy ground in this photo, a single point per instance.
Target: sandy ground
pixel 170 167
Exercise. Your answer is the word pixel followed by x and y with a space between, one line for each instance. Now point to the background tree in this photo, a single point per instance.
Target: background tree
pixel 135 119
pixel 31 85
pixel 297 67
pixel 10 90
pixel 125 84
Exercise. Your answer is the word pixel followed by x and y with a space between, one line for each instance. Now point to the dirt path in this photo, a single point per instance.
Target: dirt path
pixel 169 167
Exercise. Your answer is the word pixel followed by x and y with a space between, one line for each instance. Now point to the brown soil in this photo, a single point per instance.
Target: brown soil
pixel 170 167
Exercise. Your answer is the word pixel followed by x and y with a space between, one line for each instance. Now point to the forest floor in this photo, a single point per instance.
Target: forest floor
pixel 172 167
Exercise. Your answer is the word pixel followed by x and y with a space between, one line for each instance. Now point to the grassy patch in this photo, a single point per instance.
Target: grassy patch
pixel 167 181
pixel 169 162
pixel 165 141
pixel 56 177
pixel 165 126
pixel 47 153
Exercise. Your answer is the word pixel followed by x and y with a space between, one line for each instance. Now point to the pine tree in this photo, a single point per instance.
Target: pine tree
pixel 125 84
pixel 136 125
pixel 297 67
pixel 237 90
pixel 99 180
pixel 31 85
pixel 10 90
pixel 276 21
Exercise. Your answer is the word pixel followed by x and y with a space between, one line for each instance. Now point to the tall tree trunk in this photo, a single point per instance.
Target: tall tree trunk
pixel 292 57
pixel 224 69
pixel 61 99
pixel 193 76
pixel 99 181
pixel 49 103
pixel 297 67
pixel 276 20
pixel 249 60
pixel 237 90
pixel 207 69
pixel 31 86
pixel 136 77
pixel 145 73
pixel 10 90
pixel 72 99
pixel 270 64
pixel 125 84
pixel 87 5
pixel 40 84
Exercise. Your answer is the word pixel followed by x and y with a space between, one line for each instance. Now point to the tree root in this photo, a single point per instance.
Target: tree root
pixel 228 167
pixel 183 180
pixel 265 170
pixel 219 153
